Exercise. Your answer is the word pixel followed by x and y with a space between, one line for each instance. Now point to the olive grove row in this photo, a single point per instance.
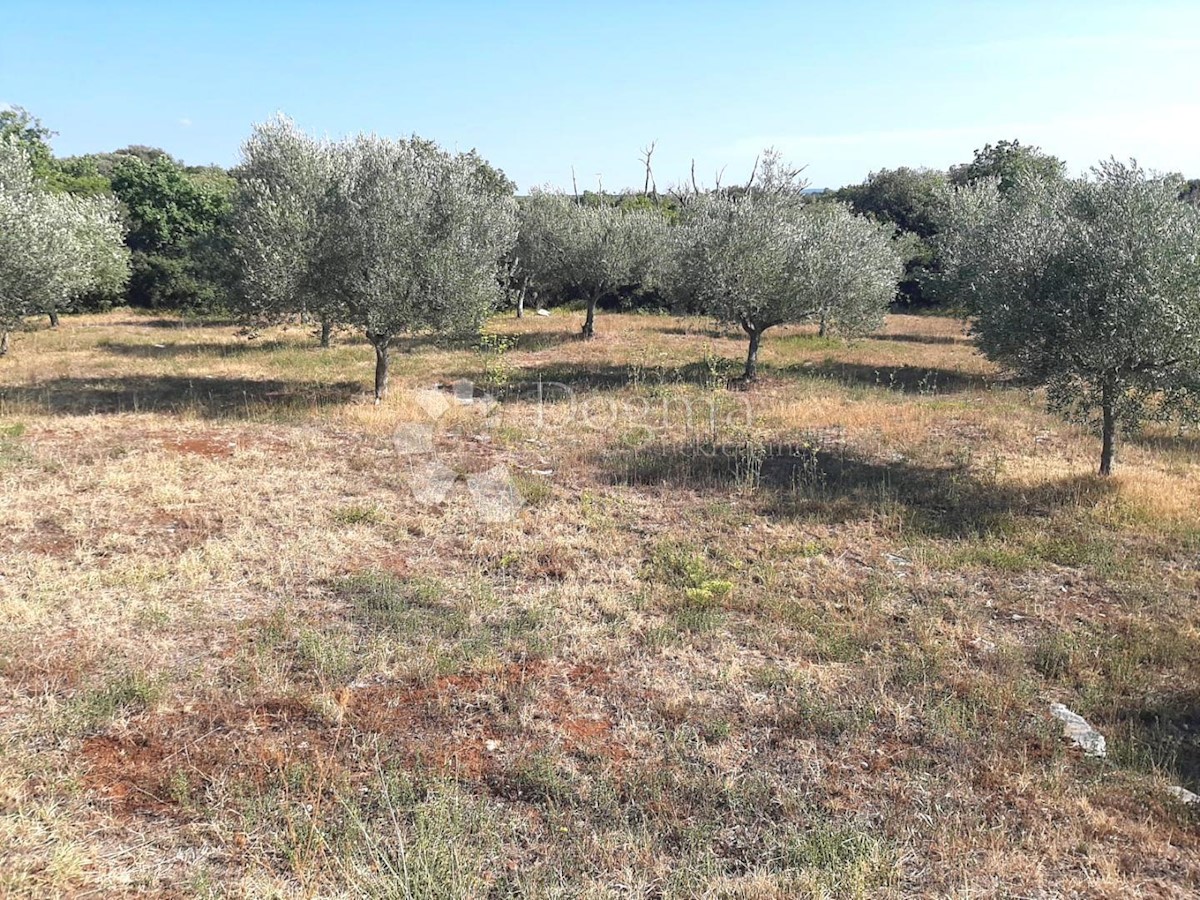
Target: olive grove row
pixel 395 237
pixel 1088 286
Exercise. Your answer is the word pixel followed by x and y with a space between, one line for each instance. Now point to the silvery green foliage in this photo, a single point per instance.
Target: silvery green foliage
pixel 764 257
pixel 391 237
pixel 588 251
pixel 419 237
pixel 281 219
pixel 52 246
pixel 1087 286
pixel 852 270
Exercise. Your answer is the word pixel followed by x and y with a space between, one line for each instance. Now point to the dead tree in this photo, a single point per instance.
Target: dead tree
pixel 649 187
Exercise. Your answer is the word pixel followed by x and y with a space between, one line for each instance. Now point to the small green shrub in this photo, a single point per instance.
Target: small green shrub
pixel 358 514
pixel 1053 656
pixel 534 489
pixel 398 604
pixel 125 692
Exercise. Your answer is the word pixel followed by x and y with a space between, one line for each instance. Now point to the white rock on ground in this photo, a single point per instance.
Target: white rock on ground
pixel 1076 727
pixel 1183 795
pixel 543 312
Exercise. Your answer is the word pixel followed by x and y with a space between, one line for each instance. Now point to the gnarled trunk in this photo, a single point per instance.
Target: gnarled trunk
pixel 752 353
pixel 3 342
pixel 824 330
pixel 326 331
pixel 381 343
pixel 53 318
pixel 589 324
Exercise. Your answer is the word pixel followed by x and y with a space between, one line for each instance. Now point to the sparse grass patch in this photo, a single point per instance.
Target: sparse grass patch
pixel 438 847
pixel 331 655
pixel 358 514
pixel 699 611
pixel 400 604
pixel 838 861
pixel 535 490
pixel 12 451
pixel 120 693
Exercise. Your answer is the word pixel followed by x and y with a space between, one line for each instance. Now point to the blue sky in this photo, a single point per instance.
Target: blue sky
pixel 844 88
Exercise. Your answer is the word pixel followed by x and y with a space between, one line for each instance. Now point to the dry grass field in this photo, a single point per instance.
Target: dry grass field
pixel 794 641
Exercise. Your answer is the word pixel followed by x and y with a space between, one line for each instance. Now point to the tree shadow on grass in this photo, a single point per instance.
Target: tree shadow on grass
pixel 194 348
pixel 905 379
pixel 561 382
pixel 710 330
pixel 179 324
pixel 533 341
pixel 1180 443
pixel 939 339
pixel 802 481
pixel 1166 735
pixel 210 398
pixel 571 379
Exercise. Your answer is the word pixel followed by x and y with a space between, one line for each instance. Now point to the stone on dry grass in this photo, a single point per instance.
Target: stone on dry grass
pixel 1076 727
pixel 1183 795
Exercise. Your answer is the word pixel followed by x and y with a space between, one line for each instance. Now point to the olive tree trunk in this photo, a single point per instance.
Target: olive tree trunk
pixel 752 353
pixel 589 324
pixel 326 331
pixel 381 343
pixel 3 342
pixel 53 318
pixel 1108 433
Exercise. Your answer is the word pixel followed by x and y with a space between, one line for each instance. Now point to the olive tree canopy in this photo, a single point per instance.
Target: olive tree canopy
pixel 589 250
pixel 388 236
pixel 52 246
pixel 1086 286
pixel 280 217
pixel 765 257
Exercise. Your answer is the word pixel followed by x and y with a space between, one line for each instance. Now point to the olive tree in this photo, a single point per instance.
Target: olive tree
pixel 1087 286
pixel 281 219
pixel 418 240
pixel 53 246
pixel 765 257
pixel 589 250
pixel 389 236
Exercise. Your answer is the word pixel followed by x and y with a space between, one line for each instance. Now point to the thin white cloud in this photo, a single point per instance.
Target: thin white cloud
pixel 185 122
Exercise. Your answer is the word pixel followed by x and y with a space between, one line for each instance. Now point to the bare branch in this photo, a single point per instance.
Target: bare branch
pixel 649 187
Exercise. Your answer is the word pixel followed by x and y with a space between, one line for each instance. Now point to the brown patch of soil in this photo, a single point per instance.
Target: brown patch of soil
pixel 144 769
pixel 49 539
pixel 217 446
pixel 459 725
